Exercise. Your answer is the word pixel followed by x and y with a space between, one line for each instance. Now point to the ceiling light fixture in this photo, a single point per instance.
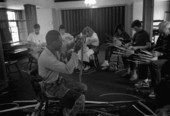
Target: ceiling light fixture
pixel 90 2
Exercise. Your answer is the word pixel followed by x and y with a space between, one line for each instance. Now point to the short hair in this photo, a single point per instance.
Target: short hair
pixel 62 27
pixel 52 36
pixel 161 26
pixel 136 23
pixel 36 26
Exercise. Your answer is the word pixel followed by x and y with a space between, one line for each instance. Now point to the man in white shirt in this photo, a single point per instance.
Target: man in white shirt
pixel 36 41
pixel 50 67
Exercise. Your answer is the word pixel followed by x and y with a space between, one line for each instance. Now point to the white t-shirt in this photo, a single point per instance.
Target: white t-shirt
pixel 36 39
pixel 37 42
pixel 93 37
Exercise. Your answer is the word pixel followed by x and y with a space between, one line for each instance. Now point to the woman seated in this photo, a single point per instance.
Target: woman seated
pixel 91 44
pixel 120 38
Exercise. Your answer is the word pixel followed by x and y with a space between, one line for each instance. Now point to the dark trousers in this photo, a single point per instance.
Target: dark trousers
pixel 94 48
pixel 155 71
pixel 108 52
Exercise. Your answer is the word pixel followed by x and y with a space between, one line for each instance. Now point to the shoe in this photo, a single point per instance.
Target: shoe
pixel 126 73
pixel 134 77
pixel 104 67
pixel 142 84
pixel 86 68
pixel 105 64
pixel 73 102
pixel 152 95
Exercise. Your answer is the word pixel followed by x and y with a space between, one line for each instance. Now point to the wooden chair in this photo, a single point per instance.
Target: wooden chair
pixel 9 65
pixel 39 91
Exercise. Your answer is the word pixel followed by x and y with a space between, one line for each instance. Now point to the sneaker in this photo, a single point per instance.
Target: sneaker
pixel 104 67
pixel 152 95
pixel 142 84
pixel 86 68
pixel 73 102
pixel 134 77
pixel 105 64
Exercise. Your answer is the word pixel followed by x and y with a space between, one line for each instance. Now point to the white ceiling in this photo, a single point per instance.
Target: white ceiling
pixel 18 4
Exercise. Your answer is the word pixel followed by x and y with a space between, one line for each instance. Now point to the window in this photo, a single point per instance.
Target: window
pixel 13 25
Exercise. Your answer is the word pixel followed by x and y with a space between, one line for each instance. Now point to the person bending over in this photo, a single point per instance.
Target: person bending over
pixel 120 38
pixel 50 69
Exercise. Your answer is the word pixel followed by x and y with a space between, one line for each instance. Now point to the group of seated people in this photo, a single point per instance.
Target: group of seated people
pixel 52 56
pixel 160 53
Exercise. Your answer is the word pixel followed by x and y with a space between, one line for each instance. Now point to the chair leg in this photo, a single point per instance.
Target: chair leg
pixel 46 107
pixel 8 71
pixel 30 63
pixel 18 70
pixel 96 61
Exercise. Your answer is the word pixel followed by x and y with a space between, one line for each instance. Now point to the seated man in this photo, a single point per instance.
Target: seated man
pixel 36 42
pixel 161 57
pixel 141 40
pixel 91 44
pixel 120 38
pixel 50 68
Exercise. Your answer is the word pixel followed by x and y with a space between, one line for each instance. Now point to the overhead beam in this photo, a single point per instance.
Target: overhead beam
pixel 66 0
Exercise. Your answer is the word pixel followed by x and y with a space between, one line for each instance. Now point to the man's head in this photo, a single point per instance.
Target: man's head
pixel 87 31
pixel 62 29
pixel 136 25
pixel 53 40
pixel 166 28
pixel 161 27
pixel 36 28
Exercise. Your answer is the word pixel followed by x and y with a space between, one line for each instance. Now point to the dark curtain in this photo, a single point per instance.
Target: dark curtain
pixel 102 20
pixel 4 27
pixel 31 16
pixel 76 20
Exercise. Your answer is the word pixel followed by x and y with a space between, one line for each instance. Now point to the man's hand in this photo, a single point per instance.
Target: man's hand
pixel 133 48
pixel 154 58
pixel 78 45
pixel 156 53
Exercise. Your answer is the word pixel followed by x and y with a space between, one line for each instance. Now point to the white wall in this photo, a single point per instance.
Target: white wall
pixel 56 14
pixel 138 10
pixel 159 8
pixel 44 17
